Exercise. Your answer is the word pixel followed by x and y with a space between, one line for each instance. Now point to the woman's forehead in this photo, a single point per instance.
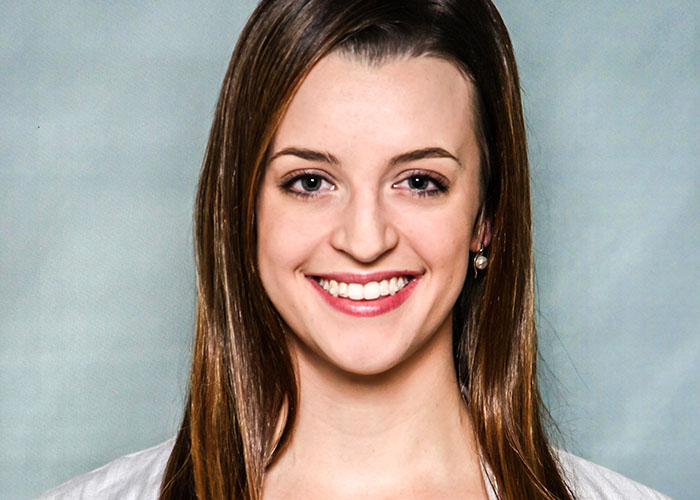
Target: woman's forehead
pixel 406 102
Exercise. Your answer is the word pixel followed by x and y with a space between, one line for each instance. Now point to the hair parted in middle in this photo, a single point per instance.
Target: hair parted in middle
pixel 243 386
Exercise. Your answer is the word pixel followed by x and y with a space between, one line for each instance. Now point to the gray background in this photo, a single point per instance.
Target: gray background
pixel 104 115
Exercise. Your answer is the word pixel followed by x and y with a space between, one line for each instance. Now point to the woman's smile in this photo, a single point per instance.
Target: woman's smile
pixel 368 294
pixel 367 209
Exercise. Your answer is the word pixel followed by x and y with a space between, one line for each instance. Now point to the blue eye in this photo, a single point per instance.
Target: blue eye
pixel 423 184
pixel 306 184
pixel 310 182
pixel 418 182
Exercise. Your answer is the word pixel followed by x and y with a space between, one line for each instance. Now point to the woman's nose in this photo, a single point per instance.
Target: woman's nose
pixel 364 231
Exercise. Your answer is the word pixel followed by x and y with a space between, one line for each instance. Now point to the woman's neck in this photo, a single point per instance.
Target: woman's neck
pixel 399 433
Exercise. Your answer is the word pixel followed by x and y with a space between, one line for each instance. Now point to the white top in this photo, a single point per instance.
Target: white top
pixel 137 477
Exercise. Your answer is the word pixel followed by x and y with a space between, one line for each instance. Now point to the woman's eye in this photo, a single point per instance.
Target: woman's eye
pixel 423 184
pixel 418 182
pixel 310 183
pixel 306 185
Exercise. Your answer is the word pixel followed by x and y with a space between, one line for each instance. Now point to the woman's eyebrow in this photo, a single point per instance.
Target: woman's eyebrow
pixel 308 154
pixel 325 157
pixel 420 154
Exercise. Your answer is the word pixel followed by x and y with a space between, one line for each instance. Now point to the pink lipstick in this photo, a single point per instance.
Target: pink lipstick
pixel 366 308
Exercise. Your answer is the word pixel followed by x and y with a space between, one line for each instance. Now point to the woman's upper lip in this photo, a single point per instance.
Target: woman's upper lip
pixel 363 278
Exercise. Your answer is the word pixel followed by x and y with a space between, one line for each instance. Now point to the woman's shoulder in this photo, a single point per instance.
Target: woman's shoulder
pixel 591 481
pixel 138 476
pixel 131 477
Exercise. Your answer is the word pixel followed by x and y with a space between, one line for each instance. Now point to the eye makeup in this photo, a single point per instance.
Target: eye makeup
pixel 418 183
pixel 305 183
pixel 311 183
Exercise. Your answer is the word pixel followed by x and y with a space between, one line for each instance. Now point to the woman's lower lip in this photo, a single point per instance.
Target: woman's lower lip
pixel 367 308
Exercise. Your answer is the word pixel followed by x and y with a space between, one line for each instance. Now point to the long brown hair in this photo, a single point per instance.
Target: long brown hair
pixel 242 375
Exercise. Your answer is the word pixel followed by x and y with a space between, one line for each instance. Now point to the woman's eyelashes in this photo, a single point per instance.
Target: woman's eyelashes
pixel 310 184
pixel 306 184
pixel 421 183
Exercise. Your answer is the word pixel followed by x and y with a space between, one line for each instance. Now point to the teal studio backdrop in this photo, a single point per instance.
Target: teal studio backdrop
pixel 104 114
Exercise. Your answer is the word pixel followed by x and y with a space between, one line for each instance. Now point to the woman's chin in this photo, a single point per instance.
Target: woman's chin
pixel 365 367
pixel 355 360
pixel 375 349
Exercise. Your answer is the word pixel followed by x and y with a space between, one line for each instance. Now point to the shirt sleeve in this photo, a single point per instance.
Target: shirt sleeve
pixel 590 481
pixel 132 477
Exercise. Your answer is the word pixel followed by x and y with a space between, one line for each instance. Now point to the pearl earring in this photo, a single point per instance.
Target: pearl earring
pixel 480 261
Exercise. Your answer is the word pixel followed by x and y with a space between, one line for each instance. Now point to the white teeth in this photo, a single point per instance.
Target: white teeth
pixel 393 286
pixel 356 291
pixel 370 291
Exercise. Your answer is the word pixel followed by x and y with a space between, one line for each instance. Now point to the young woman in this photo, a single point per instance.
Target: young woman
pixel 365 323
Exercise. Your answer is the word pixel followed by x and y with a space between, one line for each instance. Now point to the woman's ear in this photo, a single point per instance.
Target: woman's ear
pixel 481 236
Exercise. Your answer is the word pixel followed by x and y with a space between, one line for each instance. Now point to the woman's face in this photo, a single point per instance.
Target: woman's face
pixel 371 192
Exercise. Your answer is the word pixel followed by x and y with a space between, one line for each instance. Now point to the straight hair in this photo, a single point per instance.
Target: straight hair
pixel 242 397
